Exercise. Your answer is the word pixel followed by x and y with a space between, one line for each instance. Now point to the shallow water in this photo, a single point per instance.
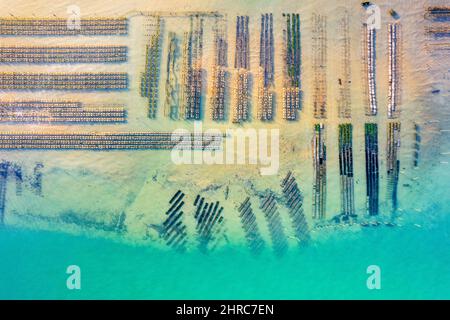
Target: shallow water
pixel 414 264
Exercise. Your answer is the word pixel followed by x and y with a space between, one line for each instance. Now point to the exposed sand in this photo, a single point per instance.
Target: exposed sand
pixel 98 185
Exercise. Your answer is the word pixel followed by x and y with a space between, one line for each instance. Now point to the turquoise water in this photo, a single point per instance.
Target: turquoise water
pixel 414 262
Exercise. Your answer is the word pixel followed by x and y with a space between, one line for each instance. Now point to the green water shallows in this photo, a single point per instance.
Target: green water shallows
pixel 414 264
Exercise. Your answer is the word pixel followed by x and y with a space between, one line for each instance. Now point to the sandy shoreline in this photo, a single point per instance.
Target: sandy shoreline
pixel 101 185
